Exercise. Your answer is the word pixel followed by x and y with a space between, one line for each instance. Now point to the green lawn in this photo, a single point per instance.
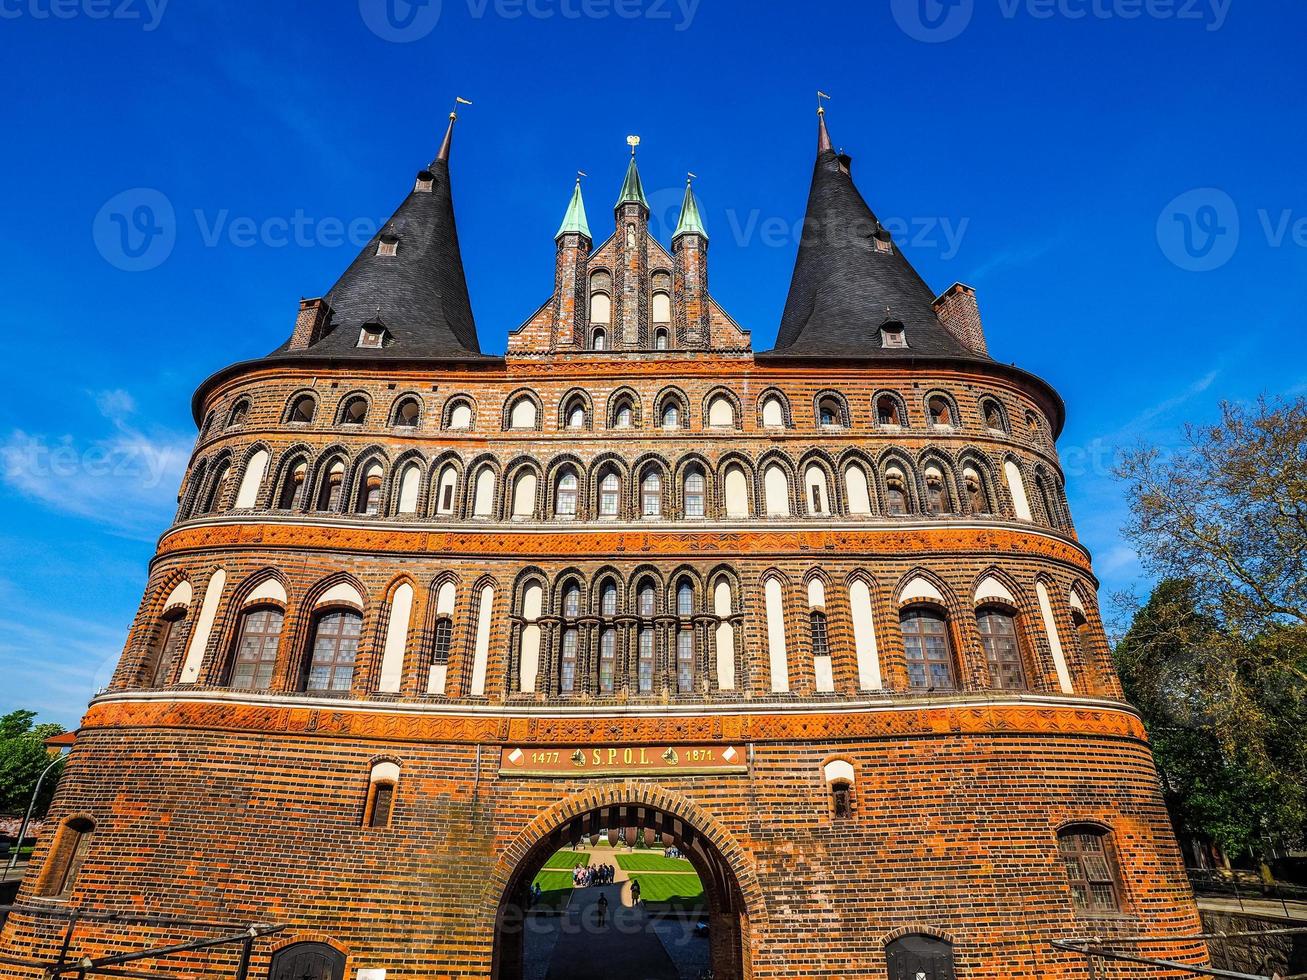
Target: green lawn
pixel 653 862
pixel 675 890
pixel 566 861
pixel 555 889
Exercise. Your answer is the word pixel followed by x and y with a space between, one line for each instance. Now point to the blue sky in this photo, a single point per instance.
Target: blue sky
pixel 1121 180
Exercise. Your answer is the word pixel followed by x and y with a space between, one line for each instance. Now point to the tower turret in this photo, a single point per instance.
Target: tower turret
pixel 690 253
pixel 570 273
pixel 631 272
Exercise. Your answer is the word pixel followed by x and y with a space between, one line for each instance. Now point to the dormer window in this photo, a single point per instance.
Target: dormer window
pixel 892 334
pixel 424 182
pixel 389 245
pixel 372 335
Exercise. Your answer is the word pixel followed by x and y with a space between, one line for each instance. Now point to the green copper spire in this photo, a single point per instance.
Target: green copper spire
pixel 574 221
pixel 690 222
pixel 632 190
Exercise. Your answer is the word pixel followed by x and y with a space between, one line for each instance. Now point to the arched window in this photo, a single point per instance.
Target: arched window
pixel 71 845
pixel 661 312
pixel 856 489
pixel 773 412
pixel 565 498
pixel 316 961
pixel 651 494
pixel 601 308
pixel 442 637
pixel 303 409
pixel 460 415
pixel 839 778
pixel 368 500
pixel 335 646
pixel 977 498
pixel 926 643
pixel 483 502
pixel 818 633
pixel 524 495
pixel 523 414
pixel 610 494
pixel 660 335
pixel 607 661
pixel 830 412
pixel 920 957
pixel 408 413
pixel 1034 428
pixel 217 496
pixel 623 413
pixel 685 598
pixel 737 492
pixel 446 488
pixel 1090 868
pixel 608 599
pixel 572 601
pixel 776 490
pixel 896 492
pixel 382 788
pixel 647 599
pixel 645 665
pixel 256 648
pixel 292 483
pixel 1051 510
pixel 599 338
pixel 567 661
pixel 354 411
pixel 685 661
pixel 814 477
pixel 696 497
pixel 166 648
pixel 575 413
pixel 239 413
pixel 995 420
pixel 887 411
pixel 721 413
pixel 329 493
pixel 1080 623
pixel 410 481
pixel 671 417
pixel 937 496
pixel 940 412
pixel 998 638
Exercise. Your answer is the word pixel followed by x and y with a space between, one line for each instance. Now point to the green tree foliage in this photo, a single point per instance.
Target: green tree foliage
pixel 22 758
pixel 1216 660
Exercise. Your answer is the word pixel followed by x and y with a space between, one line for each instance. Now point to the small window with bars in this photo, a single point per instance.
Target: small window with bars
pixel 820 638
pixel 1090 870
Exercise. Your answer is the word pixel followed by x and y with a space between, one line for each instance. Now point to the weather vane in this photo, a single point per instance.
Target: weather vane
pixel 458 101
pixel 690 176
pixel 633 142
pixel 821 95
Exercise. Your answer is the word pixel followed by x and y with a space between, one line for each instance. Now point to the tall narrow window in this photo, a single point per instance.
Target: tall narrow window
pixel 624 415
pixel 576 414
pixel 646 661
pixel 446 489
pixel 71 845
pixel 695 494
pixel 977 499
pixel 607 660
pixel 369 496
pixel 289 495
pixel 998 636
pixel 1083 643
pixel 239 413
pixel 1090 869
pixel 256 649
pixel 937 500
pixel 332 485
pixel 660 340
pixel 925 641
pixel 648 599
pixel 444 634
pixel 651 494
pixel 599 339
pixel 167 647
pixel 383 800
pixel 567 662
pixel 841 794
pixel 820 637
pixel 685 598
pixel 572 601
pixel 335 646
pixel 685 661
pixel 608 599
pixel 567 495
pixel 217 495
pixel 610 492
pixel 671 417
pixel 896 493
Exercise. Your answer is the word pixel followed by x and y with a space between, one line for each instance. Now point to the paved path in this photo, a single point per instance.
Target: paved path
pixel 626 947
pixel 1255 906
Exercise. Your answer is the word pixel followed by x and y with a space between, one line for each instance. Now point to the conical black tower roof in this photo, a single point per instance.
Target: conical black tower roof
pixel 850 278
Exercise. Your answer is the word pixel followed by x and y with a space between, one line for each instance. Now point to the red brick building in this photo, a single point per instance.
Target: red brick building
pixel 817 614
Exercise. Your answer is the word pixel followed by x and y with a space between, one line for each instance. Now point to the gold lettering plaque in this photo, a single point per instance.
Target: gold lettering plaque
pixel 546 761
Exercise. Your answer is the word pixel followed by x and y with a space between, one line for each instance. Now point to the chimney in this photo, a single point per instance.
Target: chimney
pixel 958 312
pixel 310 324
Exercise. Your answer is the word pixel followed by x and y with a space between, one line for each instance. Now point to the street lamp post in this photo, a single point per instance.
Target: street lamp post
pixel 27 817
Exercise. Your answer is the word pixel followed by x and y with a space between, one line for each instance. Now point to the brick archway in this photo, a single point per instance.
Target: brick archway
pixel 731 890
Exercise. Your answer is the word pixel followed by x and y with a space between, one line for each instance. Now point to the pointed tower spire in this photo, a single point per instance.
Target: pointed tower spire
pixel 442 155
pixel 849 271
pixel 690 221
pixel 632 190
pixel 574 220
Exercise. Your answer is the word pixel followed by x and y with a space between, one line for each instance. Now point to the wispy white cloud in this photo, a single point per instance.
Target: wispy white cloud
pixel 54 663
pixel 1167 406
pixel 1013 257
pixel 124 478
